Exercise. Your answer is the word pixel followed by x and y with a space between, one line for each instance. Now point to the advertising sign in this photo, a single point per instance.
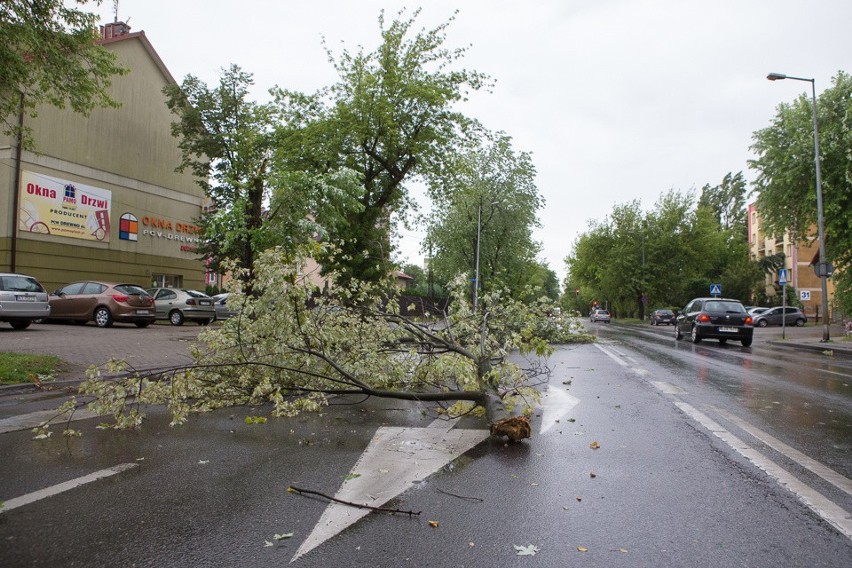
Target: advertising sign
pixel 54 206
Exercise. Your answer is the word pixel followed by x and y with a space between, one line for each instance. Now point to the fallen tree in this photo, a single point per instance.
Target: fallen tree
pixel 294 350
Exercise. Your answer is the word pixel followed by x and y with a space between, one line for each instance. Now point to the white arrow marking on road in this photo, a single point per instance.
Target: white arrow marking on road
pixel 555 404
pixel 392 462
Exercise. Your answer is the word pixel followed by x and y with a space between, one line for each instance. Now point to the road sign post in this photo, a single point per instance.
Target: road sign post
pixel 715 290
pixel 782 279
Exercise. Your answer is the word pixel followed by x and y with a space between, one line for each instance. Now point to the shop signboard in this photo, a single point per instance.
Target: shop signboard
pixel 58 207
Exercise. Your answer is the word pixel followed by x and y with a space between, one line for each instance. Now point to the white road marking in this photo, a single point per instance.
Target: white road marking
pixel 825 508
pixel 555 403
pixel 392 462
pixel 33 419
pixel 828 474
pixel 612 355
pixel 65 486
pixel 667 388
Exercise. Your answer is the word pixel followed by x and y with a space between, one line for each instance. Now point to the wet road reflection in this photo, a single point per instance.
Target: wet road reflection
pixel 803 398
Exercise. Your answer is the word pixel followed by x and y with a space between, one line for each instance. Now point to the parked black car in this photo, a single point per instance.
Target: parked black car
pixel 715 318
pixel 662 317
pixel 774 316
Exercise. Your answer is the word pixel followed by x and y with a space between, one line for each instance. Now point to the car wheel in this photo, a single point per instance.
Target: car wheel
pixel 746 342
pixel 653 323
pixel 695 337
pixel 723 341
pixel 204 322
pixel 176 317
pixel 763 323
pixel 102 317
pixel 678 334
pixel 800 322
pixel 144 323
pixel 20 324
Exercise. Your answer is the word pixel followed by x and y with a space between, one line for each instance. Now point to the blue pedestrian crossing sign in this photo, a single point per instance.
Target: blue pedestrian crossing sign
pixel 715 289
pixel 782 276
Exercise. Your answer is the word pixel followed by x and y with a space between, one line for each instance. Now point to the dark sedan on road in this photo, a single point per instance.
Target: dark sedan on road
pixel 662 317
pixel 715 318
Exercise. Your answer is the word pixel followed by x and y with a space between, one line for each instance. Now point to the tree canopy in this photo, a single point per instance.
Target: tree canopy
pixel 390 118
pixel 635 260
pixel 233 146
pixel 489 204
pixel 49 55
pixel 786 181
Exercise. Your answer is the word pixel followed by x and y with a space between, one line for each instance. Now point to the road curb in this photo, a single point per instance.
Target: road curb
pixel 834 349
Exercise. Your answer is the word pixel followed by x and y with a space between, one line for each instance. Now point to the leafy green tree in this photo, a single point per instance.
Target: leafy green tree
pixel 727 201
pixel 489 203
pixel 786 181
pixel 231 145
pixel 390 118
pixel 633 260
pixel 354 342
pixel 49 55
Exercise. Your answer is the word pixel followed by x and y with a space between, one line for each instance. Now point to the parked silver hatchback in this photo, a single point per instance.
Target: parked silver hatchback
pixel 180 304
pixel 22 300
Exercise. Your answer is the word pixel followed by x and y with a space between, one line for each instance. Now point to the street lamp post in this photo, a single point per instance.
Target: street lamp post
pixel 478 235
pixel 823 271
pixel 476 277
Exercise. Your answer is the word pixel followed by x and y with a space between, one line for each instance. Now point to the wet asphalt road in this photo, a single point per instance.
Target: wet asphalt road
pixel 661 490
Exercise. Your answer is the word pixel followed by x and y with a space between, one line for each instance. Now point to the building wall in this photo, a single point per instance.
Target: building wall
pixel 798 258
pixel 128 152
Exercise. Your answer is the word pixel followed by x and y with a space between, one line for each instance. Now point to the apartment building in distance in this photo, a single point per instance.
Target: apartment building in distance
pixel 800 258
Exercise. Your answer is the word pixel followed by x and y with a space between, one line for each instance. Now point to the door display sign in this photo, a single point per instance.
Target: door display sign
pixel 54 206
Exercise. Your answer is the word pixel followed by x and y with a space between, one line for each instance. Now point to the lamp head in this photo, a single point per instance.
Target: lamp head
pixel 776 76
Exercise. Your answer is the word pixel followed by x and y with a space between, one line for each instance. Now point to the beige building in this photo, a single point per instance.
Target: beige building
pixel 799 260
pixel 100 197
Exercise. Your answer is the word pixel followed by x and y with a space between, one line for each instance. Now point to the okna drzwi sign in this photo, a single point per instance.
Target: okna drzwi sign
pixel 54 206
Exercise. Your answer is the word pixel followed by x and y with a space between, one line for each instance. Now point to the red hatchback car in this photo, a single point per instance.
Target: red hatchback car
pixel 103 302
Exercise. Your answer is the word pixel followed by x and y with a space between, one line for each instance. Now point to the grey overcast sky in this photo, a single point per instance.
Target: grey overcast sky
pixel 616 99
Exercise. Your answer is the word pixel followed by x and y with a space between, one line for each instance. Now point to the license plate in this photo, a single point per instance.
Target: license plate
pixel 142 312
pixel 205 303
pixel 728 329
pixel 25 298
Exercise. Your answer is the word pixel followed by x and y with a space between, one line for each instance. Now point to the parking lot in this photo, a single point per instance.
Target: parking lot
pixel 81 346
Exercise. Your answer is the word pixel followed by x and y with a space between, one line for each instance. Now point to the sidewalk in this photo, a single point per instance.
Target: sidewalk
pixel 809 338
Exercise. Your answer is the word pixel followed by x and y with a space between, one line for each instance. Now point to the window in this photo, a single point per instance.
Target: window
pixel 92 288
pixel 166 280
pixel 72 289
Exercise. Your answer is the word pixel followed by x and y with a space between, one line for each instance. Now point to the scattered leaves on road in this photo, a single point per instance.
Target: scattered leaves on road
pixel 595 445
pixel 255 420
pixel 203 462
pixel 283 536
pixel 528 550
pixel 352 476
pixel 434 524
pixel 582 549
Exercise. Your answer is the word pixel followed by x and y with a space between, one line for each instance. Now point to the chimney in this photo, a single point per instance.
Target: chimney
pixel 114 29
